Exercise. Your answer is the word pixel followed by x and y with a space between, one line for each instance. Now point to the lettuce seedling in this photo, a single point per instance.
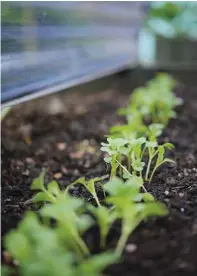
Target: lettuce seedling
pixel 128 131
pixel 65 209
pixel 113 148
pixel 154 131
pixel 89 185
pixel 149 105
pixel 132 114
pixel 50 194
pixel 40 251
pixel 134 153
pixel 158 152
pixel 105 217
pixel 132 207
pixel 68 214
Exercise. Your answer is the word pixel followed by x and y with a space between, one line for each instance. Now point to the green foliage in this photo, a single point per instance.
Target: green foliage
pixel 105 217
pixel 131 206
pixel 41 252
pixel 157 152
pixel 174 19
pixel 113 148
pixel 89 185
pixel 50 194
pixel 149 103
pixel 147 114
pixel 51 243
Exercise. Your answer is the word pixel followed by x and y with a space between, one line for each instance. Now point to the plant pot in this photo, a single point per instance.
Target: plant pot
pixel 176 51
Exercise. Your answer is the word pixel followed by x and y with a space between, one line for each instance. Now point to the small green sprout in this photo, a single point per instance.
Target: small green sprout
pixel 40 251
pixel 147 104
pixel 133 150
pixel 154 131
pixel 113 148
pixel 128 131
pixel 105 217
pixel 132 115
pixel 158 152
pixel 132 207
pixel 69 219
pixel 89 185
pixel 65 209
pixel 50 194
pixel 38 248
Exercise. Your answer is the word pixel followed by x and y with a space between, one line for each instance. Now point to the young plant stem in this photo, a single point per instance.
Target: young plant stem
pixel 153 172
pixel 113 166
pixel 149 164
pixel 131 175
pixel 142 153
pixel 129 162
pixel 121 243
pixel 120 168
pixel 82 245
pixel 123 238
pixel 148 168
pixel 96 199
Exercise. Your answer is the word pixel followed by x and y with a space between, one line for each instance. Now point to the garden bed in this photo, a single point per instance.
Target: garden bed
pixel 67 144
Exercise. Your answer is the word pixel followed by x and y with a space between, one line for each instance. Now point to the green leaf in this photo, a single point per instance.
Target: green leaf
pixel 160 157
pixel 168 146
pixel 41 197
pixel 124 150
pixel 169 160
pixel 38 183
pixel 113 185
pixel 148 197
pixel 108 159
pixel 53 188
pixel 17 244
pixel 154 209
pixel 90 186
pixel 135 181
pixel 84 222
pixel 151 144
pixel 95 265
pixel 80 180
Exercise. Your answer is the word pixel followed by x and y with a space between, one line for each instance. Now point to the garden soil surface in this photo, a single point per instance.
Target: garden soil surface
pixel 62 133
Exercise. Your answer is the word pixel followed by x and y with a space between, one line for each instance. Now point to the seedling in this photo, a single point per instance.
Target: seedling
pixel 130 208
pixel 69 219
pixel 113 148
pixel 128 131
pixel 89 185
pixel 132 115
pixel 133 150
pixel 50 194
pixel 105 217
pixel 65 210
pixel 147 104
pixel 154 150
pixel 40 251
pixel 154 131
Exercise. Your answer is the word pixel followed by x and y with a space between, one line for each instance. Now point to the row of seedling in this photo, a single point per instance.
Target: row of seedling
pixel 52 241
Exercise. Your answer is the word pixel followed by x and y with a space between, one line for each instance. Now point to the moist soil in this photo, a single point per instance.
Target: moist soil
pixel 62 133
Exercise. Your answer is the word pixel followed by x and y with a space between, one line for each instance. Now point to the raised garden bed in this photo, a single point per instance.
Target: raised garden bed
pixel 67 144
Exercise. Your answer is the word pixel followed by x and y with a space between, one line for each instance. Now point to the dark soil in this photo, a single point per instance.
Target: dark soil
pixel 66 143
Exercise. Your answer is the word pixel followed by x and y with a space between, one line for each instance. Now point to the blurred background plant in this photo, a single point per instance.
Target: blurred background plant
pixel 173 19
